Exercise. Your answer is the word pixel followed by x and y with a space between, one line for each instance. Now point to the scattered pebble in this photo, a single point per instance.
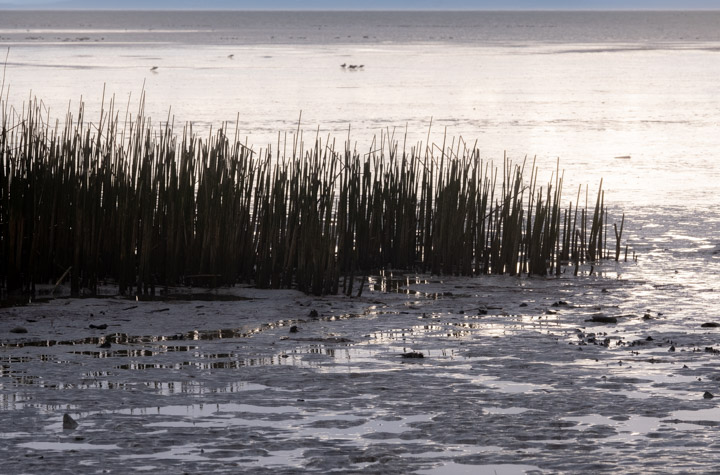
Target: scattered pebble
pixel 69 423
pixel 600 318
pixel 710 325
pixel 294 329
pixel 19 330
pixel 102 326
pixel 708 395
pixel 413 354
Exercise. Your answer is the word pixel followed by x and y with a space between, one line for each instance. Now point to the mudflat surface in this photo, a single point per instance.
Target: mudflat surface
pixel 513 378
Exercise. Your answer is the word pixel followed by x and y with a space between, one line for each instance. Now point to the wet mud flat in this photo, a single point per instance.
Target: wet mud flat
pixel 459 375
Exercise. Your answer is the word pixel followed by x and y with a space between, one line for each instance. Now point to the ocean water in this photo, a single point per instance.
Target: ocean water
pixel 581 88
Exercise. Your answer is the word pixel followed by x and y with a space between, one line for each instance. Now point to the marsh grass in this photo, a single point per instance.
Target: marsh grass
pixel 144 206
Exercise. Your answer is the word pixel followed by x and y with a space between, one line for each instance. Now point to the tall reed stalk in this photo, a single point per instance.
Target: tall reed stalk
pixel 143 206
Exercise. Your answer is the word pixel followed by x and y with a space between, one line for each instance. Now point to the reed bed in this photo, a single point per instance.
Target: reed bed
pixel 145 206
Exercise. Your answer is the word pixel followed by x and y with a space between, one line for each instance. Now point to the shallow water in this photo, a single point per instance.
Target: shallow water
pixel 222 385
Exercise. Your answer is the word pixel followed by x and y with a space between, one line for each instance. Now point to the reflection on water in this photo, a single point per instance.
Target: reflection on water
pixel 453 468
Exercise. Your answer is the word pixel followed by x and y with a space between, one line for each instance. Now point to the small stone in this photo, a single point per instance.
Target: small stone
pixel 105 345
pixel 413 354
pixel 523 304
pixel 710 325
pixel 560 303
pixel 102 326
pixel 649 338
pixel 294 329
pixel 600 318
pixel 672 348
pixel 708 395
pixel 69 423
pixel 313 314
pixel 19 330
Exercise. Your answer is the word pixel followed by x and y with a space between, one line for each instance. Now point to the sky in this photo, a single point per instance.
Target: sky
pixel 368 4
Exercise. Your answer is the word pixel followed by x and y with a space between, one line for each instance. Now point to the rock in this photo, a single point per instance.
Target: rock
pixel 523 304
pixel 106 344
pixel 19 330
pixel 708 395
pixel 313 314
pixel 102 326
pixel 69 423
pixel 649 338
pixel 710 325
pixel 294 329
pixel 672 348
pixel 600 318
pixel 413 354
pixel 560 303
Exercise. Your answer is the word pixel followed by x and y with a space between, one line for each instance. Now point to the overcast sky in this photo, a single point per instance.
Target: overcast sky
pixel 370 4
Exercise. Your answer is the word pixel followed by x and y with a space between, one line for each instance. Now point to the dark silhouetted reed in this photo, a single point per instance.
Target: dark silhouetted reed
pixel 143 206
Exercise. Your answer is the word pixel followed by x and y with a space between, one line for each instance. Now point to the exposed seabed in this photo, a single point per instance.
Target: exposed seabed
pixel 514 378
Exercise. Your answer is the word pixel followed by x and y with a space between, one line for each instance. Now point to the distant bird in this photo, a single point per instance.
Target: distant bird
pixel 154 68
pixel 231 56
pixel 361 66
pixel 343 65
pixel 353 66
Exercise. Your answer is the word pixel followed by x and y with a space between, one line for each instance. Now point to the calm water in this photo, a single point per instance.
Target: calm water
pixel 582 87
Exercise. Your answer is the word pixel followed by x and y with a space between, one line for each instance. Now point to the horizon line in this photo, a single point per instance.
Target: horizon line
pixel 25 8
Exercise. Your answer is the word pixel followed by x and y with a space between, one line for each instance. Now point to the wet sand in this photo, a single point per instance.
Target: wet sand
pixel 513 379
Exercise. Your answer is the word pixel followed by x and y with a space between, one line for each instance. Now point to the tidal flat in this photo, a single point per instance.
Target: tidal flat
pixel 515 377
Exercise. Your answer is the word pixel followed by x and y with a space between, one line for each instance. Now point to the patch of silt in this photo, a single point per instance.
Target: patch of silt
pixel 509 376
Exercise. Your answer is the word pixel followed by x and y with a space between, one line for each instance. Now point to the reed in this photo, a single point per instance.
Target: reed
pixel 143 206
